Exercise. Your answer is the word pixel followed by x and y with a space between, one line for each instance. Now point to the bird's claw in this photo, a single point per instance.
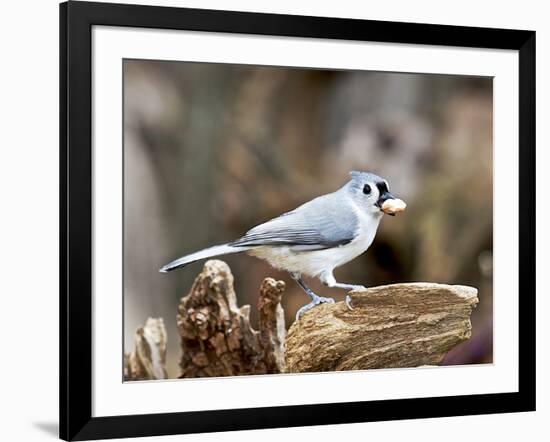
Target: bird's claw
pixel 348 302
pixel 348 297
pixel 316 301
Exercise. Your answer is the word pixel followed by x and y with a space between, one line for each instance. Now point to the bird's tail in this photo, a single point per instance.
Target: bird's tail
pixel 223 249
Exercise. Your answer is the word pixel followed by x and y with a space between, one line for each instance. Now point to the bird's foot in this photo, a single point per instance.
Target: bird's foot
pixel 316 300
pixel 348 302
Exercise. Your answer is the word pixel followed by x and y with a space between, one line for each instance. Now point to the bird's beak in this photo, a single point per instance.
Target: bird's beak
pixel 389 204
pixel 383 198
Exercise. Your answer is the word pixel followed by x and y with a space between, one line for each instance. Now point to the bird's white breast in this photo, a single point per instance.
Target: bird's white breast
pixel 313 263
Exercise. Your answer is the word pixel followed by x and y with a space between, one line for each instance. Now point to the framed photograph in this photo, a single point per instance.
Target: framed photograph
pixel 273 220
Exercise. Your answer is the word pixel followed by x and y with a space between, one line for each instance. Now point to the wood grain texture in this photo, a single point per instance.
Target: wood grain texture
pixel 401 325
pixel 215 334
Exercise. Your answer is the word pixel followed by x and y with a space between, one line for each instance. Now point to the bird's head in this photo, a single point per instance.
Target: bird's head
pixel 372 194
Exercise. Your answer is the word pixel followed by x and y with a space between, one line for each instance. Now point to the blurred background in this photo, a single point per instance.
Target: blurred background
pixel 210 150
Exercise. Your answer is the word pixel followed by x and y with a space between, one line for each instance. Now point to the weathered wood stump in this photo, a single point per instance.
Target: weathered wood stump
pixel 216 336
pixel 148 358
pixel 400 325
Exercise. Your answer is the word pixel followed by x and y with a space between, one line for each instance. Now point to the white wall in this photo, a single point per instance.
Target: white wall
pixel 29 209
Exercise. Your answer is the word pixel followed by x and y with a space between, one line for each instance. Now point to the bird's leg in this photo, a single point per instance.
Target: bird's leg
pixel 315 299
pixel 327 278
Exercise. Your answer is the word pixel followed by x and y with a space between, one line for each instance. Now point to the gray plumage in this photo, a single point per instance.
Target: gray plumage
pixel 312 226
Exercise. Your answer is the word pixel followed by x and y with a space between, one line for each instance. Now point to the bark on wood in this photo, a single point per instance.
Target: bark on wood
pixel 216 336
pixel 148 358
pixel 401 325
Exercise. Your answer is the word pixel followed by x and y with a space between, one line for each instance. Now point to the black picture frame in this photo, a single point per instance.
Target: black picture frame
pixel 76 21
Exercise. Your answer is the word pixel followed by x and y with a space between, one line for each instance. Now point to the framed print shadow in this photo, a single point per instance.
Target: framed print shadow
pixel 274 220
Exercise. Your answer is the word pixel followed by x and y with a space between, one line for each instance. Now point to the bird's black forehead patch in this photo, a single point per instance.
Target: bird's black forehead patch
pixel 382 187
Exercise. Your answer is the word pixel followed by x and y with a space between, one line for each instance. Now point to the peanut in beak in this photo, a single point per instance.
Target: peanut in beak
pixel 393 206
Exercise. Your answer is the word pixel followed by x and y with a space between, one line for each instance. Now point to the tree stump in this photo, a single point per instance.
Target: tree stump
pixel 400 325
pixel 216 336
pixel 148 358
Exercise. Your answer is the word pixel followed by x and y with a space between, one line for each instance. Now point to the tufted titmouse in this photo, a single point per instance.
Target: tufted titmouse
pixel 316 237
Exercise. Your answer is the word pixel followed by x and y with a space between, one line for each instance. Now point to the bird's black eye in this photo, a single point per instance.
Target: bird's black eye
pixel 366 189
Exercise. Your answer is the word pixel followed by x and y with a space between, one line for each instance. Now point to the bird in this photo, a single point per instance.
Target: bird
pixel 316 237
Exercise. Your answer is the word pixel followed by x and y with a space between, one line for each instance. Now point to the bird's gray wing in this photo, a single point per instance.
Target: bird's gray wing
pixel 319 224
